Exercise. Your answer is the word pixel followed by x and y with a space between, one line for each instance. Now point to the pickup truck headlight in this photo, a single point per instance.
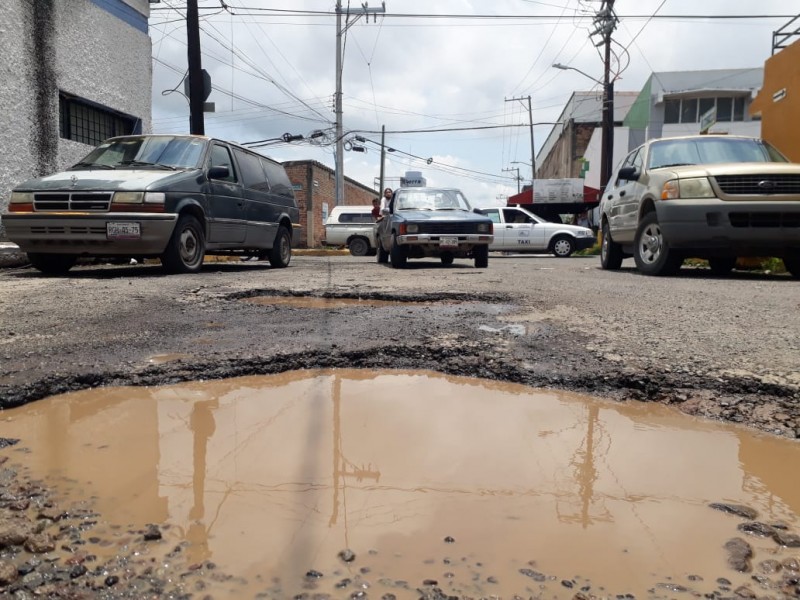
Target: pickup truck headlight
pixel 484 228
pixel 695 187
pixel 412 228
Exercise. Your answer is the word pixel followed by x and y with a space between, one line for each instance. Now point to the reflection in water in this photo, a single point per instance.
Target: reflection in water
pixel 272 476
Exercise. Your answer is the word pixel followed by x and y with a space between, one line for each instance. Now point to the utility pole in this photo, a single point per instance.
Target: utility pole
pixel 196 85
pixel 340 31
pixel 518 178
pixel 530 124
pixel 605 22
pixel 383 158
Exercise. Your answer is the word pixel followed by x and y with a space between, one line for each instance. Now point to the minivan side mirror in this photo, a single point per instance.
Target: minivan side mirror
pixel 629 173
pixel 219 172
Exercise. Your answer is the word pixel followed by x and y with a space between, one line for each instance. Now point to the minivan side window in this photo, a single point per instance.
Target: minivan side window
pixel 278 179
pixel 221 157
pixel 253 176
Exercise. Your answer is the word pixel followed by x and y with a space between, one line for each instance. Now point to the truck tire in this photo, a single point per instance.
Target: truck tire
pixel 52 264
pixel 481 256
pixel 398 255
pixel 358 246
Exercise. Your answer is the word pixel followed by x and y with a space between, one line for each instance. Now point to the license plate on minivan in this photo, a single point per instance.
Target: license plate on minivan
pixel 123 231
pixel 448 242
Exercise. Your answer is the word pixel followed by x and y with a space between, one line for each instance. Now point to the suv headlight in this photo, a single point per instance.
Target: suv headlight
pixel 695 187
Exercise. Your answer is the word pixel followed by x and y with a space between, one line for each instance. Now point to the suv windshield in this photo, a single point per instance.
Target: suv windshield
pixel 673 153
pixel 156 151
pixel 431 200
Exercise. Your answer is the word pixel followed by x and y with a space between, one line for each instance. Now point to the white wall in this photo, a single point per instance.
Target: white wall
pixel 594 152
pixel 750 128
pixel 93 55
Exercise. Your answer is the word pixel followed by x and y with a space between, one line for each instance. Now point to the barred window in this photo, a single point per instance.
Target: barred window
pixel 89 123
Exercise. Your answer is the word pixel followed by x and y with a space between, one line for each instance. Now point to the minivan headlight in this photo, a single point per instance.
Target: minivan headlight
pixel 21 198
pixel 128 197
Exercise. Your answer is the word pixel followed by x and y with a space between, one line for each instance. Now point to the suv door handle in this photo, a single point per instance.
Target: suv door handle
pixel 611 196
pixel 622 193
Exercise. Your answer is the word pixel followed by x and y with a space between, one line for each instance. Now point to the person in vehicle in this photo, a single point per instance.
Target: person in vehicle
pixel 376 209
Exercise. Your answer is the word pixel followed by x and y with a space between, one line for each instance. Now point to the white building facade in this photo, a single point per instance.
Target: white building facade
pixel 75 72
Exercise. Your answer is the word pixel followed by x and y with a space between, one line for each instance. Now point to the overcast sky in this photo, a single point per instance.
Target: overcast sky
pixel 273 72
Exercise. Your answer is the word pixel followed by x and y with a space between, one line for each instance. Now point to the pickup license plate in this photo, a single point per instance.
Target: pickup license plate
pixel 123 231
pixel 448 242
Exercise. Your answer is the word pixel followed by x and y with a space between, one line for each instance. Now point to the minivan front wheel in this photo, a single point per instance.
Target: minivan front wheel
pixel 281 253
pixel 52 264
pixel 651 250
pixel 186 248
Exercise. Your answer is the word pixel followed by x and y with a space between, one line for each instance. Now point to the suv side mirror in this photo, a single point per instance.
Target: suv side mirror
pixel 219 172
pixel 628 173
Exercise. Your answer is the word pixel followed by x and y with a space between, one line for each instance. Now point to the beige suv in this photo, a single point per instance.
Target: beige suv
pixel 715 197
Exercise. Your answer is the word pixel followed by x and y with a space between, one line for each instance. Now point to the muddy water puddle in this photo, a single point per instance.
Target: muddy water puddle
pixel 325 303
pixel 470 487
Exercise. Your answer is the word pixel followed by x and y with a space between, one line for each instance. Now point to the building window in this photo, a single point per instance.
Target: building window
pixel 689 110
pixel 90 123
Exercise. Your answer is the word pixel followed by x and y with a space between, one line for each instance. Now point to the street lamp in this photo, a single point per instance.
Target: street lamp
pixel 607 145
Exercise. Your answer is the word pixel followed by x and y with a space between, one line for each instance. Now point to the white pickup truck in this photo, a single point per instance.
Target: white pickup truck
pixel 351 226
pixel 518 230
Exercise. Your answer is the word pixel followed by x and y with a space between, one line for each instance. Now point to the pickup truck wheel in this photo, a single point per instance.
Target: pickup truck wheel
pixel 52 264
pixel 610 252
pixel 562 246
pixel 722 265
pixel 447 259
pixel 793 266
pixel 358 246
pixel 398 254
pixel 481 256
pixel 383 255
pixel 281 253
pixel 651 250
pixel 186 248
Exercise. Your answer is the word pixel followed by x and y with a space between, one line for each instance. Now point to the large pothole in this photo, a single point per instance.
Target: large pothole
pixel 435 484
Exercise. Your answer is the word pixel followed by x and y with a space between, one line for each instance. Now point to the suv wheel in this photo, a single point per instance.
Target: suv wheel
pixel 52 264
pixel 398 254
pixel 186 248
pixel 562 246
pixel 358 246
pixel 281 253
pixel 651 250
pixel 610 251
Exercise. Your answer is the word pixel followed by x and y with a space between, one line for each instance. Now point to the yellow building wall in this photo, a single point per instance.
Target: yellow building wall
pixel 778 102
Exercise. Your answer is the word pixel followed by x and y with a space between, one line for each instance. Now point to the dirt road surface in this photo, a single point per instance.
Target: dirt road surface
pixel 722 348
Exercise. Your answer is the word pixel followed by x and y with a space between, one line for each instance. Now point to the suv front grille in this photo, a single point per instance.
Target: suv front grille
pixel 758 185
pixel 447 228
pixel 67 201
pixel 765 219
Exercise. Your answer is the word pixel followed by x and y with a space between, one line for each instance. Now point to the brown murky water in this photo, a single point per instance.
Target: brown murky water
pixel 320 303
pixel 270 477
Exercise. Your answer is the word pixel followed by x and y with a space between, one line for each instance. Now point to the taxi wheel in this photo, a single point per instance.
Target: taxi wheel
pixel 186 248
pixel 281 253
pixel 563 246
pixel 52 264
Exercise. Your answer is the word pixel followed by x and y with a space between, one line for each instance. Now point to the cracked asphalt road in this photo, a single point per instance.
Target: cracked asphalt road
pixel 722 348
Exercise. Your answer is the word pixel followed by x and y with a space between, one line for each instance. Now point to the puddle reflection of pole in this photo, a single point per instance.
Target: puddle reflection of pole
pixel 342 467
pixel 202 424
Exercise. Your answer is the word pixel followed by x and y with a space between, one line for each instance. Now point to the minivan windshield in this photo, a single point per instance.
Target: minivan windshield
pixel 145 152
pixel 712 150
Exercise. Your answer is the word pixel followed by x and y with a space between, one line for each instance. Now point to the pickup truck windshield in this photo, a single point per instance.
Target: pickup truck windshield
pixel 145 152
pixel 431 200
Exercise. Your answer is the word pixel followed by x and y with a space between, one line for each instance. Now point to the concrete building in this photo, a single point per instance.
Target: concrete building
pixel 74 72
pixel 315 190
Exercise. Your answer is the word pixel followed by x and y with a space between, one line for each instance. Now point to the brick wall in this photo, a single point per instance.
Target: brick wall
pixel 315 185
